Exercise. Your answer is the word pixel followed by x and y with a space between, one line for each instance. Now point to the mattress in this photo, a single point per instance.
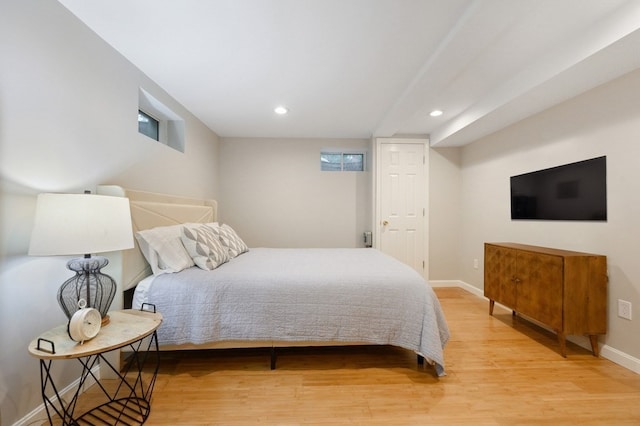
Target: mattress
pixel 301 295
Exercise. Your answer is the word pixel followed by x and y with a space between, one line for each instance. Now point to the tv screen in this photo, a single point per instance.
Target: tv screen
pixel 576 191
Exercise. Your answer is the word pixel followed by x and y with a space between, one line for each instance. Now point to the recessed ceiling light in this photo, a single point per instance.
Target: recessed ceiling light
pixel 435 113
pixel 280 110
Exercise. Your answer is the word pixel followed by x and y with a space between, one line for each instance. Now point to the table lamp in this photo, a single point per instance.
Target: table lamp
pixel 76 224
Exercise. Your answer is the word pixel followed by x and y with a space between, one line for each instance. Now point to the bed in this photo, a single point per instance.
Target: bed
pixel 272 297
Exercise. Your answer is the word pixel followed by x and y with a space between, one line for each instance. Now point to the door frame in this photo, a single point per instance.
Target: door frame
pixel 377 219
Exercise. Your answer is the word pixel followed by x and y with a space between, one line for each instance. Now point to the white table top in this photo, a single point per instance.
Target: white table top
pixel 125 327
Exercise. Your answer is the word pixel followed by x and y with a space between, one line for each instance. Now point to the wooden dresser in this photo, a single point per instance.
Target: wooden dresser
pixel 564 290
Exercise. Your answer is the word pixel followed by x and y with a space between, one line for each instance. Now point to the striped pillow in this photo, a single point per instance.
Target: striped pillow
pixel 203 245
pixel 232 241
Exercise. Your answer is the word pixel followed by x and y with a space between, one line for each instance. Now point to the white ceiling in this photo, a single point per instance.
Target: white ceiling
pixel 362 68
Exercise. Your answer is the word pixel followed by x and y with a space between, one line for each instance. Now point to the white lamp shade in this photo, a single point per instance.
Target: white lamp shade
pixel 77 224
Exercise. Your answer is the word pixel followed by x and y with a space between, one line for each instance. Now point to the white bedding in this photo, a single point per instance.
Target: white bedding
pixel 323 295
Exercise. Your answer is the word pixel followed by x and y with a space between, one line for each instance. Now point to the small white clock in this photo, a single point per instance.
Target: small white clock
pixel 84 324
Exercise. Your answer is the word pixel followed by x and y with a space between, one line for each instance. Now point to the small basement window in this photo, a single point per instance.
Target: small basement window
pixel 342 161
pixel 147 125
pixel 159 122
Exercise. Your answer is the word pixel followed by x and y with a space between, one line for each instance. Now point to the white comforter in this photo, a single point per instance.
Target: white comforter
pixel 324 295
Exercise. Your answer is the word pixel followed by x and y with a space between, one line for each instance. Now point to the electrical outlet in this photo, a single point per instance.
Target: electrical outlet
pixel 475 263
pixel 624 309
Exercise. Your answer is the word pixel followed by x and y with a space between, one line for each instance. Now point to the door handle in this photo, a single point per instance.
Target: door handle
pixel 385 222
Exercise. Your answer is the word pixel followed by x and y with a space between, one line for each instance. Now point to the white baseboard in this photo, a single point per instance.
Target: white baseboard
pixel 612 354
pixel 447 283
pixel 620 358
pixel 39 414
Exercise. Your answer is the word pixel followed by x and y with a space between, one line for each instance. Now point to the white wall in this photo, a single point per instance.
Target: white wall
pixel 604 121
pixel 275 195
pixel 68 111
pixel 445 211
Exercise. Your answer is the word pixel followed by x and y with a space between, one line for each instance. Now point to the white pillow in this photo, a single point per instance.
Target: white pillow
pixel 163 249
pixel 232 241
pixel 203 245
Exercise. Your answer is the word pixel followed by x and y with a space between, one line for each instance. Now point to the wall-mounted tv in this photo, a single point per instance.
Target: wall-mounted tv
pixel 576 191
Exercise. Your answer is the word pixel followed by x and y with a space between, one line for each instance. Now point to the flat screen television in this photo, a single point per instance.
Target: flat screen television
pixel 576 191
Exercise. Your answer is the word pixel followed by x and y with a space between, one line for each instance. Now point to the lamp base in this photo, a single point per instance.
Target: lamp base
pixel 90 284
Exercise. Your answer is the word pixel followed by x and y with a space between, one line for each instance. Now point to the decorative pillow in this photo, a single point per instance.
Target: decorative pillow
pixel 203 245
pixel 163 249
pixel 232 241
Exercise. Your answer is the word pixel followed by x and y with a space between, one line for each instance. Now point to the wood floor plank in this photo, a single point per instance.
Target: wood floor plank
pixel 501 371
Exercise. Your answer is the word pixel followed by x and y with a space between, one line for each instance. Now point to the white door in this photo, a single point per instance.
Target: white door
pixel 402 201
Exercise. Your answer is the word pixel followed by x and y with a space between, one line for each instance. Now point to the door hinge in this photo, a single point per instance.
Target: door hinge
pixel 423 264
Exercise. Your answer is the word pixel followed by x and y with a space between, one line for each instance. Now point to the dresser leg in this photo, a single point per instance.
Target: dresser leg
pixel 562 339
pixel 594 345
pixel 491 305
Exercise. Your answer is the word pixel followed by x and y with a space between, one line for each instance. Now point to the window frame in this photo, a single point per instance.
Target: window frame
pixel 342 154
pixel 171 127
pixel 155 129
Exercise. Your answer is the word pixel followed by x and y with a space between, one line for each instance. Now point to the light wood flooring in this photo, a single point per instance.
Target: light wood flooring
pixel 501 371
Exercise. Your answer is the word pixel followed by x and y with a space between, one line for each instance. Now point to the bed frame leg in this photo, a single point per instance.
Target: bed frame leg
pixel 420 361
pixel 273 358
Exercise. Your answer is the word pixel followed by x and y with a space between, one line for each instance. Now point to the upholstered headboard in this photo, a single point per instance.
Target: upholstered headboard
pixel 149 210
